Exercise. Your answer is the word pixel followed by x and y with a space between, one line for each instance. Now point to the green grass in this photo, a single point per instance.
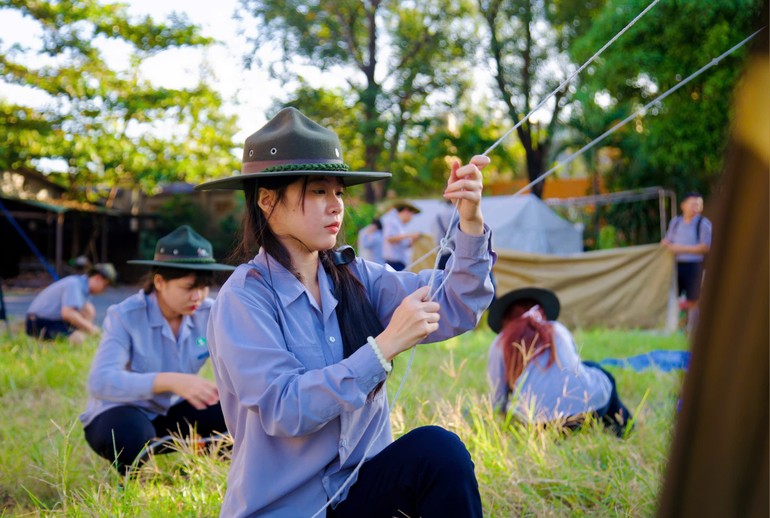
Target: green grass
pixel 48 469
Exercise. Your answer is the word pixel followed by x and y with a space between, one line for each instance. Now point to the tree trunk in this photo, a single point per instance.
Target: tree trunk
pixel 535 155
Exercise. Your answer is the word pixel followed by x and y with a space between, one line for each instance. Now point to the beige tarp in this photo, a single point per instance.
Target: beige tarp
pixel 622 287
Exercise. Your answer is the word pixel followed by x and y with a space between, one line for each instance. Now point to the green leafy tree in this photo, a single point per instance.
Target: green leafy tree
pixel 679 144
pixel 426 165
pixel 110 127
pixel 405 63
pixel 527 46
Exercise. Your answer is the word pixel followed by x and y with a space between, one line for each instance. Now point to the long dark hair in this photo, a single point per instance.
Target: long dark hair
pixel 355 313
pixel 523 338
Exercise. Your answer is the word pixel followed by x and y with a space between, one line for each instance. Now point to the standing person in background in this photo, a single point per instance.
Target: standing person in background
pixel 64 308
pixel 397 242
pixel 144 379
pixel 689 238
pixel 370 242
pixel 302 338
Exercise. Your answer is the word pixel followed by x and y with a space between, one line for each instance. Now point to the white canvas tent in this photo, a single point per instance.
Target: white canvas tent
pixel 522 223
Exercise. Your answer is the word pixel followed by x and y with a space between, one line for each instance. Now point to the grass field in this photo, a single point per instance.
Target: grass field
pixel 46 467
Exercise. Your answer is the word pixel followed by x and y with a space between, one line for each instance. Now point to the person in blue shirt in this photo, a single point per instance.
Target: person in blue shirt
pixel 397 242
pixel 303 335
pixel 689 239
pixel 534 369
pixel 370 242
pixel 64 308
pixel 144 381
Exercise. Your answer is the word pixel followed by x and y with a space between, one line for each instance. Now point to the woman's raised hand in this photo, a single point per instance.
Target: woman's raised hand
pixel 464 187
pixel 414 319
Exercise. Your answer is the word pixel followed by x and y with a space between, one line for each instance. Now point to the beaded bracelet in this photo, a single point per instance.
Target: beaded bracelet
pixel 378 353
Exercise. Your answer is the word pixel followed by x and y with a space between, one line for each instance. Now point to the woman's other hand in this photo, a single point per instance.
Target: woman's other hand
pixel 414 319
pixel 197 391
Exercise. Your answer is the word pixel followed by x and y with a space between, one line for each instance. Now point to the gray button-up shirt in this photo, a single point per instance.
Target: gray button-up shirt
pixel 137 343
pixel 302 416
pixel 400 251
pixel 696 232
pixel 544 393
pixel 71 291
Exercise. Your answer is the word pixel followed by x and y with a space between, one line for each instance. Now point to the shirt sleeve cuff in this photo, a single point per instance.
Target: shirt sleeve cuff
pixel 367 369
pixel 473 246
pixel 143 384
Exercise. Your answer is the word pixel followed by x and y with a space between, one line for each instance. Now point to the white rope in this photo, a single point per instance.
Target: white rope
pixel 423 256
pixel 571 77
pixel 641 111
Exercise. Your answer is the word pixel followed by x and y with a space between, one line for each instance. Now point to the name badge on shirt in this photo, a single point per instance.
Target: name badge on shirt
pixel 201 342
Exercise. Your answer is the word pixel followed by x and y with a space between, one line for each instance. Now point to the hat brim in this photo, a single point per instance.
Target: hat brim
pixel 236 182
pixel 406 205
pixel 544 297
pixel 216 267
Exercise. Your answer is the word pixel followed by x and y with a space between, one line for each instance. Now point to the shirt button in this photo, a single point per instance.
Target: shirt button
pixel 332 339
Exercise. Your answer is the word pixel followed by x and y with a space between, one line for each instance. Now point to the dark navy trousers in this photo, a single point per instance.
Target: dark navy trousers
pixel 121 433
pixel 427 473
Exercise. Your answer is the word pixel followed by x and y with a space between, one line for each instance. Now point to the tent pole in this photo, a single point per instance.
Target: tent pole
pixel 662 210
pixel 104 238
pixel 27 240
pixel 59 241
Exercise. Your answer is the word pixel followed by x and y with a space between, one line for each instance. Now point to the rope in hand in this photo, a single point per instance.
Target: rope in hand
pixel 443 244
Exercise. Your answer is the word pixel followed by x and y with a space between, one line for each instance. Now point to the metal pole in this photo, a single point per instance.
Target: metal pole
pixel 105 226
pixel 59 241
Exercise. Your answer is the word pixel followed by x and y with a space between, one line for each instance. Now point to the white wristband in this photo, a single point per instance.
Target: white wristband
pixel 378 353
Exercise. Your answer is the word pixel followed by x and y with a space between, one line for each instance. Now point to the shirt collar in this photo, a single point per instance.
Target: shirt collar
pixel 154 315
pixel 288 288
pixel 156 318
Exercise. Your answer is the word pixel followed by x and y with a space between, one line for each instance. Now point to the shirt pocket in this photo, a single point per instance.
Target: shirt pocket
pixel 309 355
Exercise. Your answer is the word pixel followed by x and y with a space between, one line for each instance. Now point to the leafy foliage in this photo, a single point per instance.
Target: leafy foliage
pixel 108 126
pixel 527 47
pixel 404 63
pixel 680 144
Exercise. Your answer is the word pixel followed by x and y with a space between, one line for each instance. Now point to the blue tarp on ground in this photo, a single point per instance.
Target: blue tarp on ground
pixel 665 361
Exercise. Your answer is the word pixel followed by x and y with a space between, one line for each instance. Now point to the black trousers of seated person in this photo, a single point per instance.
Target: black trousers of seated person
pixel 121 433
pixel 427 472
pixel 614 415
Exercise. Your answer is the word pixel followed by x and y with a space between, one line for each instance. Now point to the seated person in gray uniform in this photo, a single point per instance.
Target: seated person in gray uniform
pixel 64 309
pixel 144 379
pixel 535 371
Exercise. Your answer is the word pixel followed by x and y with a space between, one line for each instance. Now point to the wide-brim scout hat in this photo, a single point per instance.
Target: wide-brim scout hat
pixel 400 205
pixel 290 144
pixel 186 249
pixel 106 270
pixel 545 298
